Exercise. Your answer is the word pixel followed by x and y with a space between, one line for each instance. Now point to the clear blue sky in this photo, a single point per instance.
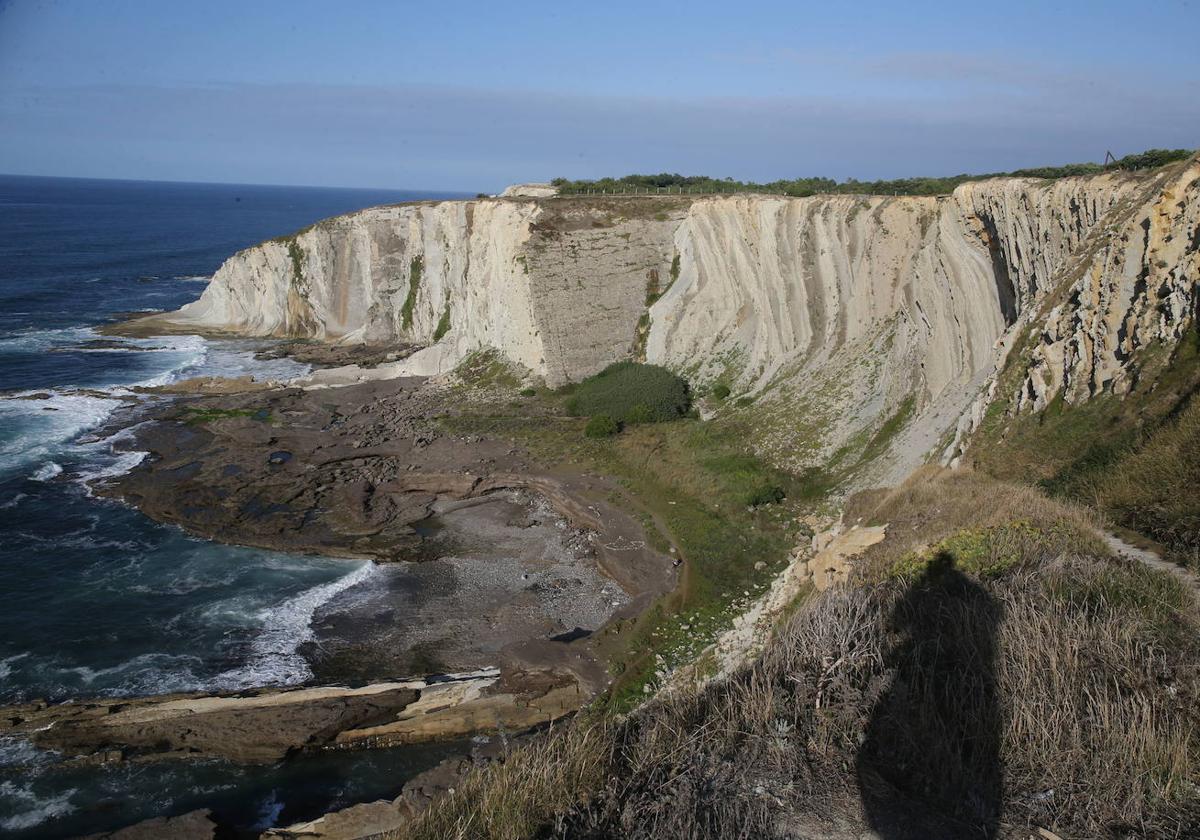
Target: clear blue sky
pixel 471 96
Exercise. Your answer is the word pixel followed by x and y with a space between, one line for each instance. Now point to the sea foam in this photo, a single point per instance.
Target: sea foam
pixel 274 653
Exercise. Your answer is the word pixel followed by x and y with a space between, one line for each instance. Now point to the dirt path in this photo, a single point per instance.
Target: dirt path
pixel 1153 560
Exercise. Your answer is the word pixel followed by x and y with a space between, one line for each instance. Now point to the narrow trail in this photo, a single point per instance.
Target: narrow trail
pixel 1124 549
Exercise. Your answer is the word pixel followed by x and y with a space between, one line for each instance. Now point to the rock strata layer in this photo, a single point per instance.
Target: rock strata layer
pixel 858 310
pixel 268 725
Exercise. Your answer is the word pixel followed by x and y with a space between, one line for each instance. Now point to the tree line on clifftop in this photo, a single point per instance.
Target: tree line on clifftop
pixel 800 187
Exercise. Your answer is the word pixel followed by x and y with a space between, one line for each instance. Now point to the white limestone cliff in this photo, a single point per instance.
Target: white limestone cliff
pixel 843 316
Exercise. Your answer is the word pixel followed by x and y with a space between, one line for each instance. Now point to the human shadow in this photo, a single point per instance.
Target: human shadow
pixel 929 766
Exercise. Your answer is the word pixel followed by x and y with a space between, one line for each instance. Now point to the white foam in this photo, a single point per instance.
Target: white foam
pixel 121 463
pixel 269 810
pixel 26 809
pixel 30 341
pixel 47 471
pixel 274 657
pixel 20 752
pixel 6 665
pixel 42 425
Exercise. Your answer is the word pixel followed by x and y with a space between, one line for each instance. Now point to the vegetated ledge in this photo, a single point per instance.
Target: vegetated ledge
pixel 667 183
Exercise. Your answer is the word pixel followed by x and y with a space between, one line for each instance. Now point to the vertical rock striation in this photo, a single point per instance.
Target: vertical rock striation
pixel 845 317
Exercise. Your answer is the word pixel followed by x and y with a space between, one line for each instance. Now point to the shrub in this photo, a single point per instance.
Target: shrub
pixel 631 392
pixel 601 426
pixel 415 268
pixel 443 325
pixel 640 413
pixel 720 391
pixel 765 494
pixel 742 402
pixel 528 392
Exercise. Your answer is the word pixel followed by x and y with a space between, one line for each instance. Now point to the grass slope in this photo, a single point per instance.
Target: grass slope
pixel 1050 693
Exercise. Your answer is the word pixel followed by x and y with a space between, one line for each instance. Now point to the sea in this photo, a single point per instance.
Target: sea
pixel 96 600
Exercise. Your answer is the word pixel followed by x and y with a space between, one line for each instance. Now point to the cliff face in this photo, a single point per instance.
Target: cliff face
pixel 844 317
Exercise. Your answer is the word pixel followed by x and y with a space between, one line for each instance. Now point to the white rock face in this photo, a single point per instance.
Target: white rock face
pixel 848 319
pixel 529 191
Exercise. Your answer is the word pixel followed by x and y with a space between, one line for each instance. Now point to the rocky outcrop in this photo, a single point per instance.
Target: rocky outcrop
pixel 529 191
pixel 194 825
pixel 1138 286
pixel 1130 285
pixel 268 725
pixel 846 317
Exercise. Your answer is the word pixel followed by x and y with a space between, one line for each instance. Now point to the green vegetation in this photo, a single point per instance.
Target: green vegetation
pixel 670 182
pixel 1133 456
pixel 415 268
pixel 197 416
pixel 443 324
pixel 753 483
pixel 601 426
pixel 883 437
pixel 631 392
pixel 720 391
pixel 692 482
pixel 1154 489
pixel 296 255
pixel 985 552
pixel 488 369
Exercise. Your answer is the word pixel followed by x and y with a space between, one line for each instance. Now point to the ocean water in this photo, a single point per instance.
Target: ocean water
pixel 95 599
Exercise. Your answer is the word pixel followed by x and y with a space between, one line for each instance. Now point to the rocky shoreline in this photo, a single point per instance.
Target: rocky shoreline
pixel 492 570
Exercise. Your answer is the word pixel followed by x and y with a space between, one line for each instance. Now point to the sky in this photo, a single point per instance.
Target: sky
pixel 472 96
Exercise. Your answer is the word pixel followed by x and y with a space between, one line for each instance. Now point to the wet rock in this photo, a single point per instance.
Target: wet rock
pixel 195 825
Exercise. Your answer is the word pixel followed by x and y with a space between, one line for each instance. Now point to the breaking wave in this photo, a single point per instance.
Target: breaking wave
pixel 274 653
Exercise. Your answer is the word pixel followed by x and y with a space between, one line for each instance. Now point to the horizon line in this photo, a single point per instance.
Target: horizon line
pixel 235 184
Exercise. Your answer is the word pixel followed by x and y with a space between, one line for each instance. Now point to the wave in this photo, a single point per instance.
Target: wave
pixel 25 809
pixel 39 340
pixel 36 427
pixel 274 653
pixel 6 665
pixel 39 425
pixel 121 463
pixel 14 501
pixel 47 471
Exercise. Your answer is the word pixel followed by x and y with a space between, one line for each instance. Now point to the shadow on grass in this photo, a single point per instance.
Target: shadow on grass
pixel 932 746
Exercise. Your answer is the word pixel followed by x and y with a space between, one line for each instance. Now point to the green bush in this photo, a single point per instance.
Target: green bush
pixel 528 392
pixel 640 413
pixel 765 494
pixel 720 391
pixel 601 426
pixel 631 392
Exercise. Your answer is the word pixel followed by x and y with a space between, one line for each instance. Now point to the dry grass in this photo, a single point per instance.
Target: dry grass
pixel 513 799
pixel 1156 489
pixel 1062 692
pixel 994 525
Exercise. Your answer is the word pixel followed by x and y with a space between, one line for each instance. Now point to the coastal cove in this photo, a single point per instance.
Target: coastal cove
pixel 98 600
